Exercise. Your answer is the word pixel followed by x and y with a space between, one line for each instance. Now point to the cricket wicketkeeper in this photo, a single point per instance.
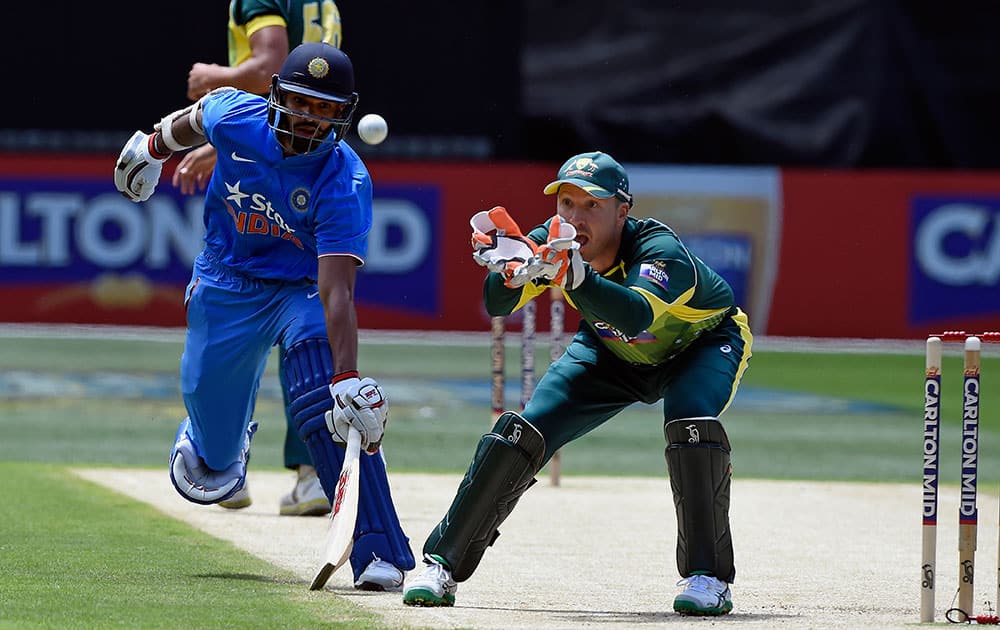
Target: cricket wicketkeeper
pixel 658 324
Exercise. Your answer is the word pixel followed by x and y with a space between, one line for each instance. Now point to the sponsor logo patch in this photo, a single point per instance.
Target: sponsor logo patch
pixel 607 331
pixel 655 271
pixel 259 216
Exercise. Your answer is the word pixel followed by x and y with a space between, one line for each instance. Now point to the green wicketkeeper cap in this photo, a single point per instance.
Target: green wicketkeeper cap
pixel 595 172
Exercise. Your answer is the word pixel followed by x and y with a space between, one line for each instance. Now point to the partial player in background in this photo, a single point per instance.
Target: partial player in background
pixel 261 33
pixel 658 324
pixel 287 216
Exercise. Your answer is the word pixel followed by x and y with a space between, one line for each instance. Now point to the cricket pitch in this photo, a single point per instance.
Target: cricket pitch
pixel 599 552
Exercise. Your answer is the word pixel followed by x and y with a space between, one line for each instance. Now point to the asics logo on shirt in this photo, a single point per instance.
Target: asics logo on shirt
pixel 259 217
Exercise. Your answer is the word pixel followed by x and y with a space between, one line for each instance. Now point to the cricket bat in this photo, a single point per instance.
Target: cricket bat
pixel 340 536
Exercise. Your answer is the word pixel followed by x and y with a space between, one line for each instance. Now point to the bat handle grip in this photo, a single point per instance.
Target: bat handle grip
pixel 353 441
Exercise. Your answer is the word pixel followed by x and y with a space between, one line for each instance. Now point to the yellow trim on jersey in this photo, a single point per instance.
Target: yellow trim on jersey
pixel 744 324
pixel 263 21
pixel 239 49
pixel 619 266
pixel 569 300
pixel 529 292
pixel 693 315
pixel 240 34
pixel 677 309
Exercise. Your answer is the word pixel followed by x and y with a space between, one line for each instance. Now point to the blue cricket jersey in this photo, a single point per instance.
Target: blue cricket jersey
pixel 268 216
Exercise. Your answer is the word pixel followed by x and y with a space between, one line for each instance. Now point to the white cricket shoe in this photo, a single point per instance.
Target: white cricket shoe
pixel 704 595
pixel 379 575
pixel 307 497
pixel 239 500
pixel 433 587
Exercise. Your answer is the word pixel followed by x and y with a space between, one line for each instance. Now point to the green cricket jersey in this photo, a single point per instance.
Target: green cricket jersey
pixel 312 21
pixel 652 304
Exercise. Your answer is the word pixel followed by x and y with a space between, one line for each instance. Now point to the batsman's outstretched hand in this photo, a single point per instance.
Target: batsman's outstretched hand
pixel 499 245
pixel 558 260
pixel 138 168
pixel 361 403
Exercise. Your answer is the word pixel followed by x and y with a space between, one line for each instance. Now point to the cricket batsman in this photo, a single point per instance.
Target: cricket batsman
pixel 287 213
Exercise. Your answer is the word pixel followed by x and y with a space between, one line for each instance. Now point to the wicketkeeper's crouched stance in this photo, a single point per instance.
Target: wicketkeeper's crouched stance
pixel 287 214
pixel 658 325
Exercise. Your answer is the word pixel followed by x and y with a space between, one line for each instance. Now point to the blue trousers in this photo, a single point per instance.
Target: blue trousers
pixel 233 323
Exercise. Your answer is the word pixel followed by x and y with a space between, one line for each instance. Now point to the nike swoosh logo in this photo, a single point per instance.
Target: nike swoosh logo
pixel 312 295
pixel 242 159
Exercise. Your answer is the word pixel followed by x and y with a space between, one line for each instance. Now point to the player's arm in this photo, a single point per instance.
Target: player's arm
pixel 358 402
pixel 268 50
pixel 336 290
pixel 625 309
pixel 498 298
pixel 140 163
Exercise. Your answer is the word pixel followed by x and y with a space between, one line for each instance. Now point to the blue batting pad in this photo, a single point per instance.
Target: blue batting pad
pixel 378 533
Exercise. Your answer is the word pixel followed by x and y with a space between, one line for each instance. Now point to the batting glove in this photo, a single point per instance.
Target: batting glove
pixel 499 245
pixel 558 260
pixel 138 168
pixel 360 403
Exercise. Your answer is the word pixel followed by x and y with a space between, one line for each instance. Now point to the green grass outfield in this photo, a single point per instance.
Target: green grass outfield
pixel 78 556
pixel 75 555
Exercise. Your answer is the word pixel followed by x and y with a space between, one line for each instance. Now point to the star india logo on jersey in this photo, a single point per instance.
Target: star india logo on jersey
pixel 260 216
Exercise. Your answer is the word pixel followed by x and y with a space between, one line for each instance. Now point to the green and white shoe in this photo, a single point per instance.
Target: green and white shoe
pixel 704 595
pixel 307 497
pixel 239 500
pixel 433 587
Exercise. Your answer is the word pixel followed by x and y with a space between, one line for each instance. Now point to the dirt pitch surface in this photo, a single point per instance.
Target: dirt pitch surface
pixel 599 552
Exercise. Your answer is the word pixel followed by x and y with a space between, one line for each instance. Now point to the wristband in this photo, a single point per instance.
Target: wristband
pixel 153 152
pixel 343 376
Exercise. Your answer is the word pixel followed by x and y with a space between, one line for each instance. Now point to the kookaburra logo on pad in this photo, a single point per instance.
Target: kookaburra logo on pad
pixel 693 431
pixel 515 435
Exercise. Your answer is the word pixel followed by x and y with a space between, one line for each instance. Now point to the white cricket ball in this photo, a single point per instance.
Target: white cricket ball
pixel 372 128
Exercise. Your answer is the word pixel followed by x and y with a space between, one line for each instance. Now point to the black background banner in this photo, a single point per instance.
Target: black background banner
pixel 841 83
pixel 846 83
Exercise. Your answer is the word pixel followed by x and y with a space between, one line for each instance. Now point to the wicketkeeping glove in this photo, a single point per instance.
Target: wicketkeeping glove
pixel 360 403
pixel 499 245
pixel 558 260
pixel 138 168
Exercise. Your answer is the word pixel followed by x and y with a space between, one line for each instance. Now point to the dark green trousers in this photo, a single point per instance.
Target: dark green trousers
pixel 589 385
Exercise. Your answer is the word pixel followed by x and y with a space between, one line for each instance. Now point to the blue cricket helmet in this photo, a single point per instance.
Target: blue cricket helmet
pixel 317 70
